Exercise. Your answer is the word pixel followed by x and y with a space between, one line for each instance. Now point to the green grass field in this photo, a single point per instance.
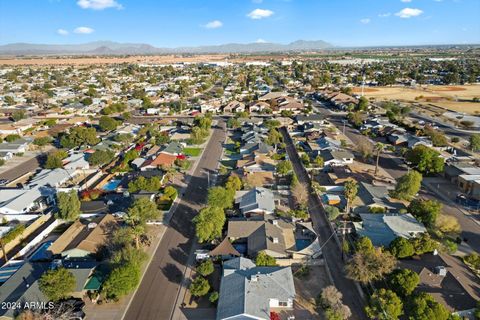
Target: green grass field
pixel 192 152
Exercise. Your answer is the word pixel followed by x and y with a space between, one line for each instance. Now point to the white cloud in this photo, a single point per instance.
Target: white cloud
pixel 385 15
pixel 62 32
pixel 408 13
pixel 365 21
pixel 213 24
pixel 406 1
pixel 260 14
pixel 83 30
pixel 260 41
pixel 99 4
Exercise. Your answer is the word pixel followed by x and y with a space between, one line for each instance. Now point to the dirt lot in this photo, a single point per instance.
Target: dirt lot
pixel 154 59
pixel 308 288
pixel 457 98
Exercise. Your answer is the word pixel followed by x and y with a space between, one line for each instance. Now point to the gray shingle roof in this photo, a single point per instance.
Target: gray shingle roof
pixel 245 292
pixel 256 199
pixel 384 228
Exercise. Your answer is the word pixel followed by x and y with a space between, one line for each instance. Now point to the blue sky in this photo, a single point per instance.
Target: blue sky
pixel 171 23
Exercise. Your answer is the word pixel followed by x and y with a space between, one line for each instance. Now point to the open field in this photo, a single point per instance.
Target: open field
pixel 150 59
pixel 457 98
pixel 40 61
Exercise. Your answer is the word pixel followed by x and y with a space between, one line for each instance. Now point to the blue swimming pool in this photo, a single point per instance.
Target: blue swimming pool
pixel 111 185
pixel 302 243
pixel 41 253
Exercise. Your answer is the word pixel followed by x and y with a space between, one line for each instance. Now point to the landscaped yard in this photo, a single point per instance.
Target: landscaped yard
pixel 192 152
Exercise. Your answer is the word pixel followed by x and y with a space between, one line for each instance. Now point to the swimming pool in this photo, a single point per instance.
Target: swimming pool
pixel 41 253
pixel 302 243
pixel 111 185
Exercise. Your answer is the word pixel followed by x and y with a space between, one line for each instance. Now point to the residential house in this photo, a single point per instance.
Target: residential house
pixel 251 292
pixel 234 107
pixel 174 148
pixel 17 146
pixel 37 195
pixel 83 238
pixel 376 197
pixel 257 201
pixel 311 118
pixel 23 285
pixel 335 158
pixel 163 159
pixel 384 228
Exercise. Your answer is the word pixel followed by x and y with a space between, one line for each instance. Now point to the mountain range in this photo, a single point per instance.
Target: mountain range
pixel 116 48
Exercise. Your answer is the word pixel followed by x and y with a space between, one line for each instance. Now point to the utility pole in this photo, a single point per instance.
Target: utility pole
pixel 343 126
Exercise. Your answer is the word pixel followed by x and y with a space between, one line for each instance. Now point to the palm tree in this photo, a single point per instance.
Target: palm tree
pixel 350 190
pixel 379 147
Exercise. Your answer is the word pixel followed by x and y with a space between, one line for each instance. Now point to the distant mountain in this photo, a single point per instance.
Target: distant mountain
pixel 115 48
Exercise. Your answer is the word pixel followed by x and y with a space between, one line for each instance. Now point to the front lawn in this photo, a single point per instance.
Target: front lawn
pixel 192 152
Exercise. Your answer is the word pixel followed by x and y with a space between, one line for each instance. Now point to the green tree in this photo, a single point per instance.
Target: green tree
pixel 424 243
pixel 425 211
pixel 101 157
pixel 233 183
pixel 121 281
pixel 57 284
pixel 141 211
pixel 12 137
pixel 220 197
pixel 362 103
pixel 205 268
pixel 319 162
pixel 199 287
pixel 364 245
pixel 401 248
pixel 79 136
pixel 425 159
pixel 475 142
pixel 54 159
pixel 384 305
pixel 209 223
pixel 9 100
pixel 408 185
pixel 350 190
pixel 403 281
pixel 68 205
pixel 424 307
pixel 264 260
pixel 213 297
pixel 42 141
pixel 284 167
pixel 332 212
pixel 18 115
pixel 107 124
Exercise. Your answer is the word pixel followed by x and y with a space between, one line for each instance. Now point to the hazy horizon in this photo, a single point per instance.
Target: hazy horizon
pixel 185 23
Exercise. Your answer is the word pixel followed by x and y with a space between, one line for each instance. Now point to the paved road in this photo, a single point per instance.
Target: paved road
pixel 156 296
pixel 331 251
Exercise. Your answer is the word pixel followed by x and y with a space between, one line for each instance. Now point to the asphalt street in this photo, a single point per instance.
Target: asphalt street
pixel 157 294
pixel 331 252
